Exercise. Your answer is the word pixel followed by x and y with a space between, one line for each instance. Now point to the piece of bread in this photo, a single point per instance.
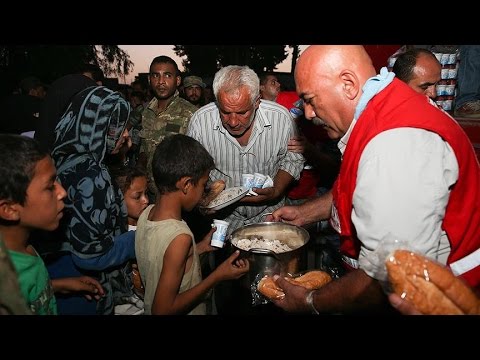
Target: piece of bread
pixel 430 287
pixel 213 191
pixel 310 280
pixel 270 289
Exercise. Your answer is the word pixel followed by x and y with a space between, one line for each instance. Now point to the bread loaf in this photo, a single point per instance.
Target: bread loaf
pixel 310 280
pixel 270 289
pixel 213 191
pixel 430 287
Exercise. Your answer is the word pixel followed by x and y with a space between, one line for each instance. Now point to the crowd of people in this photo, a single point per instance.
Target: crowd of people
pixel 100 214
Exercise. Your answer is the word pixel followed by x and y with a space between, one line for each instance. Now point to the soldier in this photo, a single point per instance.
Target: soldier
pixel 193 87
pixel 166 114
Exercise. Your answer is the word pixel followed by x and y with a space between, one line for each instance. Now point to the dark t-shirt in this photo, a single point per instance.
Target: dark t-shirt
pixel 20 113
pixel 58 98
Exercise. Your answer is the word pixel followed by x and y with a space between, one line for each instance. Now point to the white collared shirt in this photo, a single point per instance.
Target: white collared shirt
pixel 402 191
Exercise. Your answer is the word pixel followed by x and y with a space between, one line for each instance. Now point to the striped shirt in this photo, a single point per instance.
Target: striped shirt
pixel 265 153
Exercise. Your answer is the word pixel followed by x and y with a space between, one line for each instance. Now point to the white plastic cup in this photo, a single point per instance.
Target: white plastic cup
pixel 218 237
pixel 258 180
pixel 247 181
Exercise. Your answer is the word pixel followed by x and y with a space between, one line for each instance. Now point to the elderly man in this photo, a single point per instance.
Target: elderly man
pixel 408 173
pixel 246 135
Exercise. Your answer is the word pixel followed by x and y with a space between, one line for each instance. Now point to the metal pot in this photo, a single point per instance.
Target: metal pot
pixel 263 261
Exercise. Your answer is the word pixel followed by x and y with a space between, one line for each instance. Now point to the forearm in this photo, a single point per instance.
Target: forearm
pixel 186 301
pixel 281 182
pixel 191 298
pixel 60 285
pixel 123 249
pixel 354 292
pixel 317 209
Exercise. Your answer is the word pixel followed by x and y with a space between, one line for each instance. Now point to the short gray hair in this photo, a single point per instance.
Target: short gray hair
pixel 232 77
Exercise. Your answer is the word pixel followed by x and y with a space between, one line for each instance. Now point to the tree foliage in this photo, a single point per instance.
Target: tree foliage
pixel 205 60
pixel 49 62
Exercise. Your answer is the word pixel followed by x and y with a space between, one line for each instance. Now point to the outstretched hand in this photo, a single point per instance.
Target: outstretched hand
pixel 297 144
pixel 204 245
pixel 288 215
pixel 233 268
pixel 263 195
pixel 83 284
pixel 295 295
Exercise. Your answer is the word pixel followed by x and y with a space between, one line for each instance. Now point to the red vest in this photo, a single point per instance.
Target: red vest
pixel 399 106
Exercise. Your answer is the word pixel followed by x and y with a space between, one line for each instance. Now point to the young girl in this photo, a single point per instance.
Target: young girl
pixel 133 184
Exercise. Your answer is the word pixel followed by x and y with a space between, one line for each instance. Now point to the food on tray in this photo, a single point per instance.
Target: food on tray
pixel 214 190
pixel 225 196
pixel 429 286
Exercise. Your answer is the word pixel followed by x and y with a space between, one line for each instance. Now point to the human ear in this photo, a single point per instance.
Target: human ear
pixel 184 184
pixel 9 210
pixel 350 84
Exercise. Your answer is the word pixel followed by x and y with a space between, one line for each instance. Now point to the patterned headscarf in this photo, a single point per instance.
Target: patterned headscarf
pixel 94 208
pixel 95 114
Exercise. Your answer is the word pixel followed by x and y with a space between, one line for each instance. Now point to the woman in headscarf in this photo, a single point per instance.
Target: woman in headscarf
pixel 95 221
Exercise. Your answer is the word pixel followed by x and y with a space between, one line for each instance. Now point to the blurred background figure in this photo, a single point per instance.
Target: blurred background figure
pixel 419 69
pixel 269 86
pixel 193 88
pixel 467 103
pixel 59 96
pixel 21 111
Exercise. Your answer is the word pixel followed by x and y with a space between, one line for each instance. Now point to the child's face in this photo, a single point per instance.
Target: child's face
pixel 136 198
pixel 43 207
pixel 196 192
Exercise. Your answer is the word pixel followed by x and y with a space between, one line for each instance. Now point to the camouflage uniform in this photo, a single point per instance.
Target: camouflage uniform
pixel 173 120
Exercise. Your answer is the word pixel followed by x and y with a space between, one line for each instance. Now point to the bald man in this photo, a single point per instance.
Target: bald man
pixel 408 174
pixel 420 70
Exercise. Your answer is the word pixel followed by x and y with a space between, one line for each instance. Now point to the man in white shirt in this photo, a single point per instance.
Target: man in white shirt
pixel 246 135
pixel 408 174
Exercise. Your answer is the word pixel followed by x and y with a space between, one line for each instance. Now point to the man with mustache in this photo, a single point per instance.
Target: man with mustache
pixel 408 174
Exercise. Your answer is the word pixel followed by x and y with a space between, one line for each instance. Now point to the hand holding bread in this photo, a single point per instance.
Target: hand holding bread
pixel 311 280
pixel 430 287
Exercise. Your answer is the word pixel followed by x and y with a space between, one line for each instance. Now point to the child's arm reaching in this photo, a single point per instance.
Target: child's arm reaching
pixel 78 284
pixel 167 300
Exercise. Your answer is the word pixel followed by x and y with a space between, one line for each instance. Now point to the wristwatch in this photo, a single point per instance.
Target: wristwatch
pixel 309 301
